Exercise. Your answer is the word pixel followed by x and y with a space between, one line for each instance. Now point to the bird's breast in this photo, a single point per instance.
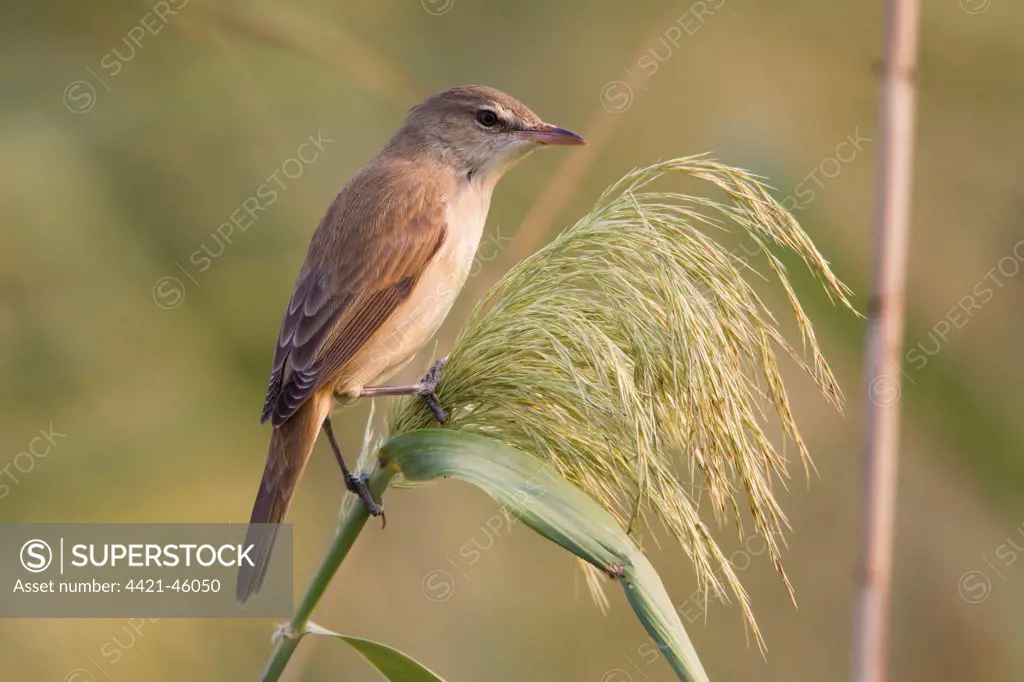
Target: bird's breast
pixel 444 277
pixel 465 217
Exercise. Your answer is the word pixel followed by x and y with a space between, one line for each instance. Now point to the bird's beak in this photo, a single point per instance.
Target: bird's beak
pixel 545 133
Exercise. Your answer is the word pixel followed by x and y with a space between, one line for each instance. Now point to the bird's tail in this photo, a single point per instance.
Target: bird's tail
pixel 290 447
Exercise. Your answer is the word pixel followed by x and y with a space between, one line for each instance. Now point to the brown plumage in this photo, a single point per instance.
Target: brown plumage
pixel 386 226
pixel 382 271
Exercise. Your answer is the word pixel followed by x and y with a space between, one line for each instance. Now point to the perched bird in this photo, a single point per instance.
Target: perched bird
pixel 382 271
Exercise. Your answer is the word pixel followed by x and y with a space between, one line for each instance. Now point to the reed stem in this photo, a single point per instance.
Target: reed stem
pixel 885 343
pixel 348 531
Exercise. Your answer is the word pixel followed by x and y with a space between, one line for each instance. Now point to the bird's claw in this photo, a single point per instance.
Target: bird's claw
pixel 357 485
pixel 427 389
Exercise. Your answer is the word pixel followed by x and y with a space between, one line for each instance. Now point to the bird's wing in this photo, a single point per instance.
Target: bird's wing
pixel 367 255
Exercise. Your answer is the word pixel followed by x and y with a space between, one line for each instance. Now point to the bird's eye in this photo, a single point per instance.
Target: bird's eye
pixel 487 118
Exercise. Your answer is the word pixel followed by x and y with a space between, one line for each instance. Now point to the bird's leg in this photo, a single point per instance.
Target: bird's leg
pixel 426 388
pixel 355 484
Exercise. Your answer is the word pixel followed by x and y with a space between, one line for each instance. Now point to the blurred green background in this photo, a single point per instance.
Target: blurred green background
pixel 129 134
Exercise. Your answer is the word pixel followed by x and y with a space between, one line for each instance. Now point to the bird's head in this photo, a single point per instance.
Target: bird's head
pixel 478 130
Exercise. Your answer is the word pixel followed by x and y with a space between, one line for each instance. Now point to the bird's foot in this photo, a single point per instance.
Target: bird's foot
pixel 357 485
pixel 426 388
